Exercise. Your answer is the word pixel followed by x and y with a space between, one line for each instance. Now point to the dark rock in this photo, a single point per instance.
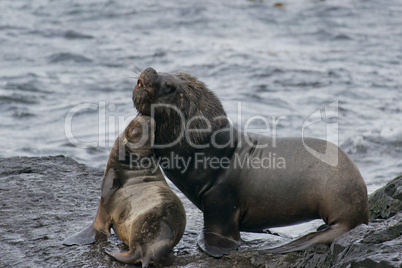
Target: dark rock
pixel 386 201
pixel 45 199
pixel 377 245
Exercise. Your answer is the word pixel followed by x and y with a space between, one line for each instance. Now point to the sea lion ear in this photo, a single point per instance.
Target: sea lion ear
pixel 170 86
pixel 183 101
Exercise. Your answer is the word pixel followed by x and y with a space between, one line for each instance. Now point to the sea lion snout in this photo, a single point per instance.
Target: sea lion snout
pixel 155 85
pixel 144 92
pixel 148 82
pixel 150 71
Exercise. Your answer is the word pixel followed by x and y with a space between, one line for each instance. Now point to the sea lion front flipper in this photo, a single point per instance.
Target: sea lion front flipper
pixel 216 245
pixel 86 236
pixel 99 230
pixel 221 232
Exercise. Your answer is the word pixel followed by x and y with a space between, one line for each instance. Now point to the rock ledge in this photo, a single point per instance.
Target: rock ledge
pixel 45 199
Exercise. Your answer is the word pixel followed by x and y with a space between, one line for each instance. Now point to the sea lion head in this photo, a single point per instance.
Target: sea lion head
pixel 155 88
pixel 173 100
pixel 139 135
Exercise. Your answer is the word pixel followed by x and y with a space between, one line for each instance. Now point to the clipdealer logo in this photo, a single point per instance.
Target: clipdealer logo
pixel 327 114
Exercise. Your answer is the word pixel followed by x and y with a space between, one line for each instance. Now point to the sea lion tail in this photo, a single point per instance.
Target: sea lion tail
pixel 321 237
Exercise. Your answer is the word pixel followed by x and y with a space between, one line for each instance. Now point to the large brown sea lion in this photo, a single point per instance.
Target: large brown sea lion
pixel 204 155
pixel 136 201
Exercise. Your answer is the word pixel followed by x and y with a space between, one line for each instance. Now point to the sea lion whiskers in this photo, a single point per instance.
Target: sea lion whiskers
pixel 135 69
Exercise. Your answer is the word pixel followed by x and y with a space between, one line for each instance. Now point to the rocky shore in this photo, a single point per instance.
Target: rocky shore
pixel 45 199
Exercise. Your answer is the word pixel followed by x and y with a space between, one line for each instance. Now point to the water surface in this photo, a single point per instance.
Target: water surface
pixel 80 58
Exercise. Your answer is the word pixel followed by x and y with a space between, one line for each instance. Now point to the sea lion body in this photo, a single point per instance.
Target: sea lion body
pixel 136 202
pixel 297 188
pixel 237 198
pixel 148 217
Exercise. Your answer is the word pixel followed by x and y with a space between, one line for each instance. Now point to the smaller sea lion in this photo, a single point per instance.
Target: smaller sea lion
pixel 136 201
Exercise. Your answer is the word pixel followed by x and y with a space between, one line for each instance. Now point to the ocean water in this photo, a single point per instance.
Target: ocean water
pixel 67 70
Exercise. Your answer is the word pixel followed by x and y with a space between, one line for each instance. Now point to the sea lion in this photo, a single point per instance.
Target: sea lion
pixel 204 155
pixel 136 201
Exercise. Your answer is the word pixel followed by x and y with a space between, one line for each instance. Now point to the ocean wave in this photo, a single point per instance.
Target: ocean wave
pixel 16 98
pixel 22 114
pixel 355 145
pixel 30 86
pixel 392 135
pixel 68 57
pixel 76 35
pixel 386 141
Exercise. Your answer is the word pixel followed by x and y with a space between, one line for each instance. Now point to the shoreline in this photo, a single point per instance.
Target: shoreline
pixel 45 199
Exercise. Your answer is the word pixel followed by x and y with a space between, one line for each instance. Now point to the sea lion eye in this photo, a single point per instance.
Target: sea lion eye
pixel 134 129
pixel 170 87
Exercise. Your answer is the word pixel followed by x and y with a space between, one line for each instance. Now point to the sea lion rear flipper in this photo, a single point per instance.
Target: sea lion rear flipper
pixel 126 257
pixel 156 251
pixel 321 237
pixel 131 257
pixel 86 236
